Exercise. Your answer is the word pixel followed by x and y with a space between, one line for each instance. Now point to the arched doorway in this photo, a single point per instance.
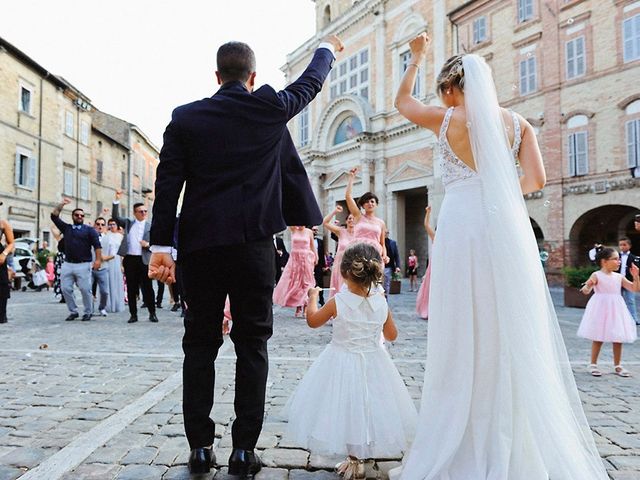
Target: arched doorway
pixel 605 224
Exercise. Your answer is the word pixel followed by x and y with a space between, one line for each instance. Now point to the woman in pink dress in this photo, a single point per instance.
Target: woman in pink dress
pixel 607 318
pixel 422 299
pixel 345 237
pixel 367 227
pixel 297 276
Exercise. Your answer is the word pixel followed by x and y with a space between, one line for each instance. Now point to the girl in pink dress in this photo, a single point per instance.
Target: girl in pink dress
pixel 345 237
pixel 607 318
pixel 422 299
pixel 297 276
pixel 412 269
pixel 367 227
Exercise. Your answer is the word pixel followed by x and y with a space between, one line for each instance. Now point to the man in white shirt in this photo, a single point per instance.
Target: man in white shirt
pixel 101 275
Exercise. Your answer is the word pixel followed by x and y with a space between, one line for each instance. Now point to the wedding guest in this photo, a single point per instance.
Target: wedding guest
pixel 50 270
pixel 636 222
pixel 344 237
pixel 328 260
pixel 135 250
pixel 366 226
pixel 297 276
pixel 59 260
pixel 281 255
pixel 79 240
pixel 110 257
pixel 100 276
pixel 393 266
pixel 626 260
pixel 353 382
pixel 606 317
pixel 320 266
pixel 5 251
pixel 422 299
pixel 594 251
pixel 412 270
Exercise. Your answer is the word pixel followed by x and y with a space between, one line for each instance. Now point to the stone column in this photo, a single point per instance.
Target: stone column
pixel 380 27
pixel 379 186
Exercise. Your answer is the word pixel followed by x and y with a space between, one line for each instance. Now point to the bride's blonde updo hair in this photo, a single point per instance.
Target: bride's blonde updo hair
pixel 451 75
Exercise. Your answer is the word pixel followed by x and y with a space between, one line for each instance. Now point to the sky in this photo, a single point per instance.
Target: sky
pixel 139 59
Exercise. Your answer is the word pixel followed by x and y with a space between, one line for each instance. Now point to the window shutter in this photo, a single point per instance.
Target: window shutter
pixel 17 175
pixel 633 143
pixel 31 178
pixel 572 156
pixel 582 153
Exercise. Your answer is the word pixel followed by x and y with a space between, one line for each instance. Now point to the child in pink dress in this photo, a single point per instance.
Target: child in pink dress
pixel 422 299
pixel 606 317
pixel 345 237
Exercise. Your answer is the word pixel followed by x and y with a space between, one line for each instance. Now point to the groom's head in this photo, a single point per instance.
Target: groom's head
pixel 236 62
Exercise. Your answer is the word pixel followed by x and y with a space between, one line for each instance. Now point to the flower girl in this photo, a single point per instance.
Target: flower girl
pixel 352 400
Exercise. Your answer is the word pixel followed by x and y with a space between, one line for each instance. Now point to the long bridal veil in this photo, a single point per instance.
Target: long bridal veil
pixel 541 416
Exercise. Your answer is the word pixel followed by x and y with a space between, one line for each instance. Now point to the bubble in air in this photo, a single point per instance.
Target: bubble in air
pixel 514 87
pixel 493 209
pixel 468 124
pixel 570 21
pixel 547 203
pixel 529 54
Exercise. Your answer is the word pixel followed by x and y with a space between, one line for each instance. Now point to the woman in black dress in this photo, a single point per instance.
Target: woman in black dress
pixel 5 251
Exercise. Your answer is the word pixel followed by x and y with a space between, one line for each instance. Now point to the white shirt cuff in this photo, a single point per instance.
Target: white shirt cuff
pixel 159 249
pixel 328 46
pixel 115 202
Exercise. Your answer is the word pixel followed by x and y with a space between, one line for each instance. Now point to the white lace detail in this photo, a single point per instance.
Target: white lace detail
pixel 517 135
pixel 453 168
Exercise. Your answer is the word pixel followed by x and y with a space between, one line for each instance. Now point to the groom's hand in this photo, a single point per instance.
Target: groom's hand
pixel 162 268
pixel 338 46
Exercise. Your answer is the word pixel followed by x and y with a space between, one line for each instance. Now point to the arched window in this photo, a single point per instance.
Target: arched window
pixel 349 128
pixel 326 19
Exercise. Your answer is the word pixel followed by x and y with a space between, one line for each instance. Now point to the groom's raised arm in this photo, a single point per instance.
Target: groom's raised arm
pixel 299 94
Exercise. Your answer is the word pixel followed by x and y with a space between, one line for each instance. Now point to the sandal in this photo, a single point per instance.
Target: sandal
pixel 351 469
pixel 595 371
pixel 621 371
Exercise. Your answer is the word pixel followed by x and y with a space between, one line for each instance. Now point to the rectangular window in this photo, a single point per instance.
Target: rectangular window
pixel 84 187
pixel 578 154
pixel 123 180
pixel 304 127
pixel 633 143
pixel 479 30
pixel 405 59
pixel 25 169
pixel 575 57
pixel 99 208
pixel 84 133
pixel 528 76
pixel 68 182
pixel 525 10
pixel 46 236
pixel 26 95
pixel 631 38
pixel 68 123
pixel 351 76
pixel 99 171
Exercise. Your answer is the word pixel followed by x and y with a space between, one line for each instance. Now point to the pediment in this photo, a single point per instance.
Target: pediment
pixel 409 171
pixel 340 179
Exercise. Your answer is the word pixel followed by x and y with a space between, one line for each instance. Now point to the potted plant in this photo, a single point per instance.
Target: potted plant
pixel 574 278
pixel 396 284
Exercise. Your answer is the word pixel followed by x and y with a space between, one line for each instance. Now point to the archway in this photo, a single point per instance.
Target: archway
pixel 605 224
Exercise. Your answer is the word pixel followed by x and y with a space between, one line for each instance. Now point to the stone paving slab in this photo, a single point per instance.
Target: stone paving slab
pixel 59 380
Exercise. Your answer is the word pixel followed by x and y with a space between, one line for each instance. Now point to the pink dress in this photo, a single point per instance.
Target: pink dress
pixel 297 276
pixel 422 300
pixel 368 230
pixel 606 318
pixel 344 239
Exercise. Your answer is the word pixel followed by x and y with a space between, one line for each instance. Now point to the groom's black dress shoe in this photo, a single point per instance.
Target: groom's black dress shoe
pixel 201 460
pixel 244 463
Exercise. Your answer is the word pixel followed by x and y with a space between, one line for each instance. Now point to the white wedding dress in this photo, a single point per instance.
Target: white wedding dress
pixel 499 399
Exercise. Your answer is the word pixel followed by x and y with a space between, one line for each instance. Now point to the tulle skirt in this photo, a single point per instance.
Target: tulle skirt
pixel 607 319
pixel 351 403
pixel 296 280
pixel 422 299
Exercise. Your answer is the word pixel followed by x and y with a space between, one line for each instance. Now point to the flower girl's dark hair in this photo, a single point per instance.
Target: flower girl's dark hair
pixel 603 253
pixel 362 264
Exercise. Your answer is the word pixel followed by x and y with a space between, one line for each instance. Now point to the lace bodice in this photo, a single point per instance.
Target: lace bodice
pixel 359 321
pixel 454 169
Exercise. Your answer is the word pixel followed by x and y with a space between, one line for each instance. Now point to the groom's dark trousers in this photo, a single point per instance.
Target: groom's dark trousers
pixel 243 181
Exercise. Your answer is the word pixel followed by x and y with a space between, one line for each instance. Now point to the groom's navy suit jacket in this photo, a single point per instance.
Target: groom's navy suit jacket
pixel 244 178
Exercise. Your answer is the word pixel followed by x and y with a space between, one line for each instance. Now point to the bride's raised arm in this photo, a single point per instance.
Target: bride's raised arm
pixel 530 158
pixel 409 107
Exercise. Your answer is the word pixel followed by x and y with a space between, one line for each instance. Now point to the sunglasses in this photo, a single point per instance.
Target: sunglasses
pixel 141 211
pixel 100 224
pixel 81 215
pixel 113 224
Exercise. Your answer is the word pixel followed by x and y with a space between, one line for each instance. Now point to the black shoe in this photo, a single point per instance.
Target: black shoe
pixel 86 317
pixel 133 319
pixel 176 307
pixel 153 318
pixel 183 313
pixel 3 320
pixel 144 305
pixel 201 460
pixel 244 463
pixel 62 300
pixel 71 317
pixel 158 305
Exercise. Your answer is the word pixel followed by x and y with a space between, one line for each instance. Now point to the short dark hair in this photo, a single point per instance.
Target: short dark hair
pixel 236 61
pixel 99 218
pixel 136 205
pixel 78 209
pixel 625 239
pixel 366 197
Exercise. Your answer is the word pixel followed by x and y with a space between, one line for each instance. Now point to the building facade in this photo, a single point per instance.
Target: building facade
pixel 566 66
pixel 50 146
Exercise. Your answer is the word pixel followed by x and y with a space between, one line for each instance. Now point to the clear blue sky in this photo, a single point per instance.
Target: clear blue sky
pixel 138 59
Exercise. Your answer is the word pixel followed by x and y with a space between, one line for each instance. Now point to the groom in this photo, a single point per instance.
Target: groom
pixel 244 182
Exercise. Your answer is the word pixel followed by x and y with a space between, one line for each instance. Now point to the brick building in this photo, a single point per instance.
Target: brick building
pixel 52 145
pixel 580 99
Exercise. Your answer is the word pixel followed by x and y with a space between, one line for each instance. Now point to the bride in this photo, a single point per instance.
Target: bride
pixel 499 398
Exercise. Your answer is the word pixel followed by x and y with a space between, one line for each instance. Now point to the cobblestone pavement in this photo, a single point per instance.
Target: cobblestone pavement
pixel 101 399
